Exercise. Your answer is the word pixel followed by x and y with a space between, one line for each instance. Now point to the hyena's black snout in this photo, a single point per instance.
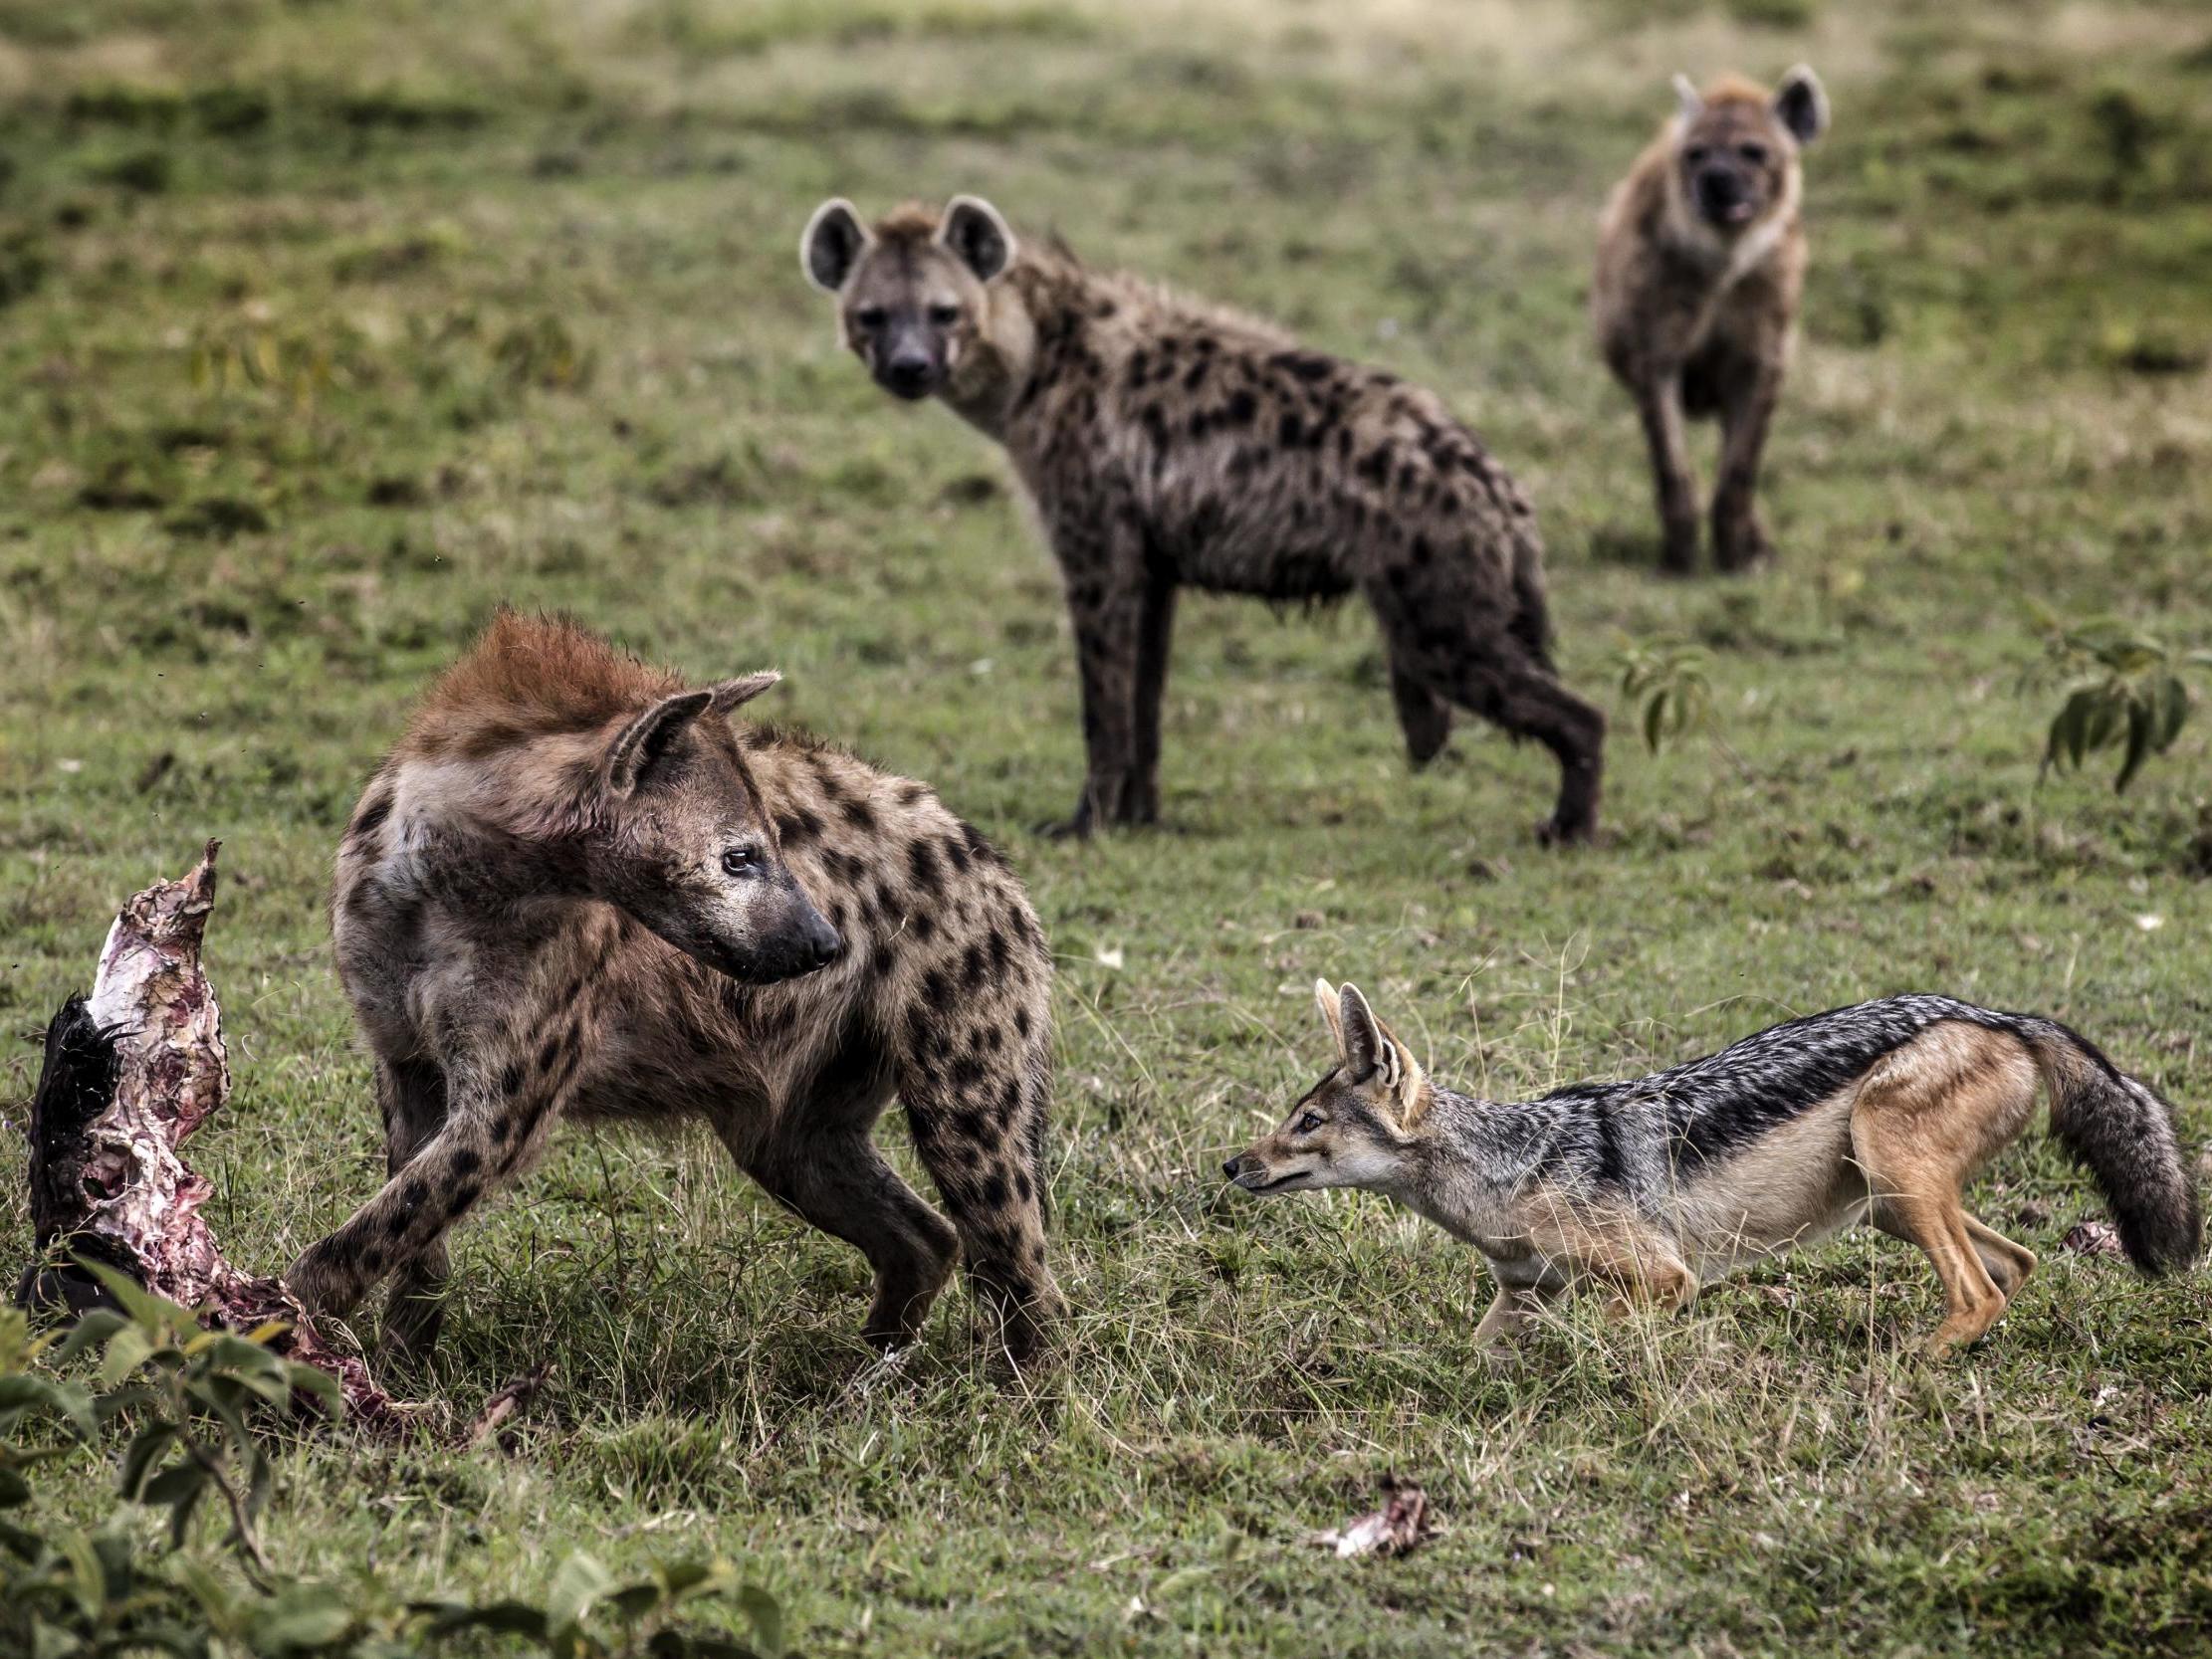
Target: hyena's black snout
pixel 801 943
pixel 1725 195
pixel 1233 1167
pixel 909 369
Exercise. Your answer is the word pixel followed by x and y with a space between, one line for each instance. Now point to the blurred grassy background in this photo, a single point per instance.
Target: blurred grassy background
pixel 332 322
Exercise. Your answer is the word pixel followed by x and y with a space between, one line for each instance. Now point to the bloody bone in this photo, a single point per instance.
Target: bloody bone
pixel 129 1074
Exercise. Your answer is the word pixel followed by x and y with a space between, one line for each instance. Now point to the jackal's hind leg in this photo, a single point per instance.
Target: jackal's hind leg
pixel 2007 1262
pixel 1928 1116
pixel 1508 1315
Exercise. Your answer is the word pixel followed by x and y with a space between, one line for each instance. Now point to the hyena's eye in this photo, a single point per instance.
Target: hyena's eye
pixel 1756 154
pixel 1309 1124
pixel 742 862
pixel 944 316
pixel 1696 155
pixel 871 316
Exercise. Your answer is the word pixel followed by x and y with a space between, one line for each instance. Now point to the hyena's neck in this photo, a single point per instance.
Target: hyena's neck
pixel 494 840
pixel 998 378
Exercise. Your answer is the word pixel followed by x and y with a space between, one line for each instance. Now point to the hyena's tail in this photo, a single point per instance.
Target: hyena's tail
pixel 2123 1131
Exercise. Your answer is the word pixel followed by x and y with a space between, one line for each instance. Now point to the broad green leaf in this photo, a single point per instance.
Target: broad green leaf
pixel 766 1615
pixel 90 1330
pixel 139 1457
pixel 127 1350
pixel 2138 747
pixel 578 1582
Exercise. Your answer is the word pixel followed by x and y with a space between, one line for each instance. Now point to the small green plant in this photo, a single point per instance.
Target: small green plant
pixel 2123 689
pixel 1668 688
pixel 194 1402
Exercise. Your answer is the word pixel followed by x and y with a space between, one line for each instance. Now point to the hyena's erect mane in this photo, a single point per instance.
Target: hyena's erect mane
pixel 530 677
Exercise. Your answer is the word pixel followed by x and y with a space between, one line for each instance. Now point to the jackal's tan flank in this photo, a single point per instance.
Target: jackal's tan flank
pixel 574 891
pixel 1700 263
pixel 1171 444
pixel 1879 1112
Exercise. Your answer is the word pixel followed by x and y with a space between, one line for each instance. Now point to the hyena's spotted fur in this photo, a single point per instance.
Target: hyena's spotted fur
pixel 1169 444
pixel 494 934
pixel 1701 263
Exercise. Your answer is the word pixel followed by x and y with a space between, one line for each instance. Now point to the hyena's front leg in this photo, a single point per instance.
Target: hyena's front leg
pixel 499 1109
pixel 1111 605
pixel 412 1095
pixel 1659 401
pixel 1155 628
pixel 1748 394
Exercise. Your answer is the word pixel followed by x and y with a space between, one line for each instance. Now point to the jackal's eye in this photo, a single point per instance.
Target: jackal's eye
pixel 742 862
pixel 871 316
pixel 944 316
pixel 1756 154
pixel 1309 1123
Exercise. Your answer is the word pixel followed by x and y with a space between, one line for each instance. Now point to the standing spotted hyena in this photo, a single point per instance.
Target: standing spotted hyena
pixel 1169 444
pixel 574 891
pixel 1700 263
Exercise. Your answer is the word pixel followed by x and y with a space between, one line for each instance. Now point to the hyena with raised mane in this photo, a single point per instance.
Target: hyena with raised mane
pixel 1652 1187
pixel 1169 443
pixel 573 891
pixel 1701 263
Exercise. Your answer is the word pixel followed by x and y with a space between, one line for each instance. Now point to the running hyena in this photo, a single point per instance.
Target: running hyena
pixel 1171 444
pixel 574 891
pixel 1701 262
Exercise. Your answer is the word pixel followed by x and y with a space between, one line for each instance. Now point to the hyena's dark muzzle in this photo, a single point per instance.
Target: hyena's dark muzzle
pixel 908 361
pixel 785 937
pixel 1725 192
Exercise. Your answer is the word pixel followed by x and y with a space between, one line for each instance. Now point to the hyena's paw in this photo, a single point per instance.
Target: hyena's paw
pixel 1743 548
pixel 1679 550
pixel 1556 831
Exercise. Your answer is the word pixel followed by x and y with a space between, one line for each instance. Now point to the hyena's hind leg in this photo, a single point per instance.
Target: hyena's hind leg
pixel 1928 1117
pixel 1442 639
pixel 820 1163
pixel 1423 715
pixel 975 1065
pixel 412 1095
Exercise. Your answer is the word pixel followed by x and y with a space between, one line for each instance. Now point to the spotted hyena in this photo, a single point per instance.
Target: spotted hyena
pixel 1171 444
pixel 1700 263
pixel 574 891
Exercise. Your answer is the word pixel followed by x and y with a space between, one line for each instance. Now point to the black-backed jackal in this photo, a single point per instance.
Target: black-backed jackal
pixel 1879 1112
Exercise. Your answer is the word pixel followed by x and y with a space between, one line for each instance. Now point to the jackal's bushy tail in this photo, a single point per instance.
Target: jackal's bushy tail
pixel 2123 1132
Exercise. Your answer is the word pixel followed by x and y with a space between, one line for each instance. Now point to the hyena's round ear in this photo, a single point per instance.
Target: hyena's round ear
pixel 973 232
pixel 1802 105
pixel 834 241
pixel 730 693
pixel 1689 102
pixel 630 757
pixel 1324 998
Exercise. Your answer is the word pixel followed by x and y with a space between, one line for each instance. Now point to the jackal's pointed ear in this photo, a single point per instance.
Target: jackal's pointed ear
pixel 834 241
pixel 1689 102
pixel 630 758
pixel 729 693
pixel 1372 1053
pixel 1802 105
pixel 1324 998
pixel 974 234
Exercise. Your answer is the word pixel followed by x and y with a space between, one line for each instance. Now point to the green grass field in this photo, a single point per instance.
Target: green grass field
pixel 329 324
